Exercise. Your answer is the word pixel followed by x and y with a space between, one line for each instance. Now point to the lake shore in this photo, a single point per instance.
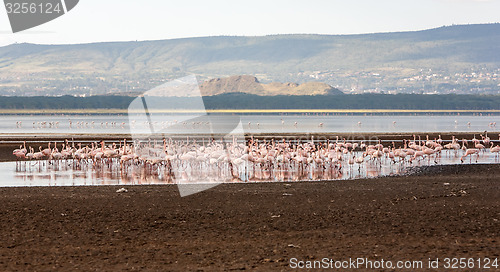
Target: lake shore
pixel 441 211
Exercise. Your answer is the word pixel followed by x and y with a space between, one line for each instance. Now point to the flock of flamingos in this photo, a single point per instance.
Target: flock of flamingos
pixel 190 160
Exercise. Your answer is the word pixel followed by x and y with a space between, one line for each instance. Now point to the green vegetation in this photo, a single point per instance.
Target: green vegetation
pixel 360 101
pixel 247 101
pixel 65 102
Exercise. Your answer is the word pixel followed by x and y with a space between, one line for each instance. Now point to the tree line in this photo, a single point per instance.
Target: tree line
pixel 247 101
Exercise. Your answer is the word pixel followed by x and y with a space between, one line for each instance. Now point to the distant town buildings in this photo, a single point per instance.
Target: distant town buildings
pixel 390 80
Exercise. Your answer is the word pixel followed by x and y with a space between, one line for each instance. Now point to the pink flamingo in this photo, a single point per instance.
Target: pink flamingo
pixel 486 139
pixel 479 146
pixel 418 154
pixel 470 152
pixel 495 149
pixel 47 151
pixel 38 155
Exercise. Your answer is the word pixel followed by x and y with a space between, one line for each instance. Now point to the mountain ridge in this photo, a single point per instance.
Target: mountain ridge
pixel 388 62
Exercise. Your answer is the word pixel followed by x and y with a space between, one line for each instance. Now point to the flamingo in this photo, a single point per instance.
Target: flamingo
pixel 47 151
pixel 470 152
pixel 29 155
pixel 274 160
pixel 38 155
pixel 439 140
pixel 418 154
pixel 20 155
pixel 495 149
pixel 479 146
pixel 486 139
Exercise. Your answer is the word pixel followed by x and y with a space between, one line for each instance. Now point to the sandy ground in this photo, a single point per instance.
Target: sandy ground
pixel 444 211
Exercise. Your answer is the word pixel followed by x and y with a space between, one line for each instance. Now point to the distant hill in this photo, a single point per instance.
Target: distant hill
pixel 251 85
pixel 461 58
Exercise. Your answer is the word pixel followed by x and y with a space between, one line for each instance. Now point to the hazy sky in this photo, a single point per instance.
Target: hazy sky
pixel 125 20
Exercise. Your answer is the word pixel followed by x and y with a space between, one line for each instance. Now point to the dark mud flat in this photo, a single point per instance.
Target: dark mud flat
pixel 453 211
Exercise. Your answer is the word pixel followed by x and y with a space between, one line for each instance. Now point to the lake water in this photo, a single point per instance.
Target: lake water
pixel 66 173
pixel 45 174
pixel 120 124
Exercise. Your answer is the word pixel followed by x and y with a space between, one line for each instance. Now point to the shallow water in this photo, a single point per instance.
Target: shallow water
pixel 65 173
pixel 119 124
